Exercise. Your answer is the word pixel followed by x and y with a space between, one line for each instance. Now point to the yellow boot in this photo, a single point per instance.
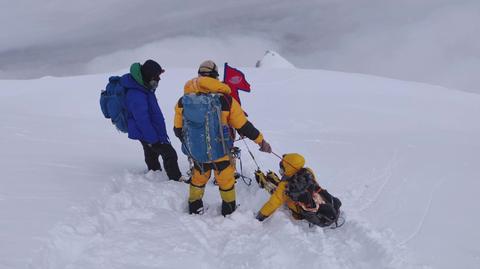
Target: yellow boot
pixel 195 203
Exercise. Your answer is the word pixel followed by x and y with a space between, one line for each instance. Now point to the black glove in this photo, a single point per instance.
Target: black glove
pixel 260 217
pixel 178 133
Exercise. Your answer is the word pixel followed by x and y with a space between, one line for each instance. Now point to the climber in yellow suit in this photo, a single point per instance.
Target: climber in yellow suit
pixel 232 115
pixel 299 190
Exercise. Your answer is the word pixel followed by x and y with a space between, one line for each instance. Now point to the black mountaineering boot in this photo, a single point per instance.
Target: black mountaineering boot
pixel 228 208
pixel 195 207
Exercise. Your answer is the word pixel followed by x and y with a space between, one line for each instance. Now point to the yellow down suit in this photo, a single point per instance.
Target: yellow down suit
pixel 233 115
pixel 291 164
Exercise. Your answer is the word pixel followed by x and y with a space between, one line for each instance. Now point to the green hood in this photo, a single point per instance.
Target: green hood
pixel 136 73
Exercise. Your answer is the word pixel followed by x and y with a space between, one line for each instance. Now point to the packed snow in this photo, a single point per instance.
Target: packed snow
pixel 402 156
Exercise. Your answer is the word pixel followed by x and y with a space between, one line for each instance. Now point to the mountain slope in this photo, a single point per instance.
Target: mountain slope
pixel 402 156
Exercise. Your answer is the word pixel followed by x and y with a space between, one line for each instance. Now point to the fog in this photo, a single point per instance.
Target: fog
pixel 433 41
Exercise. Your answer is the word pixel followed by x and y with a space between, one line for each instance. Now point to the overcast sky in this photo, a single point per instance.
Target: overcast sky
pixel 434 41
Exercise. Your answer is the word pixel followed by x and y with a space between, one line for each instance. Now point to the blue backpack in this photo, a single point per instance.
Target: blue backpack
pixel 112 103
pixel 205 139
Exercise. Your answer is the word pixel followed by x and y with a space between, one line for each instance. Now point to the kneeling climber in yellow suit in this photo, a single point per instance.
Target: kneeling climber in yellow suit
pixel 299 190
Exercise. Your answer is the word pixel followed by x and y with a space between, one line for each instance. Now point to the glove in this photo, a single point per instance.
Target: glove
pixel 178 133
pixel 265 147
pixel 260 217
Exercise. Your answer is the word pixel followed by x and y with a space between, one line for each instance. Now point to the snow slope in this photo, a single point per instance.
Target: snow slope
pixel 402 156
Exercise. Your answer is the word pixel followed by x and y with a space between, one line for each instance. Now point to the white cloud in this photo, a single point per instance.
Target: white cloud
pixel 186 52
pixel 435 41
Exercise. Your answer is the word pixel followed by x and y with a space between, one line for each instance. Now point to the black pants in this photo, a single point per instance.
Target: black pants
pixel 169 156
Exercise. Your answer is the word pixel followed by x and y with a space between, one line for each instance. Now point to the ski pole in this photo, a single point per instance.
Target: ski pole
pixel 278 156
pixel 281 158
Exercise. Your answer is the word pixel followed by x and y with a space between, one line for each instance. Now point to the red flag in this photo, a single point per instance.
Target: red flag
pixel 236 80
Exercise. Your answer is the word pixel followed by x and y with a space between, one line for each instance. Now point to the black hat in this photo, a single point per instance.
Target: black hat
pixel 151 70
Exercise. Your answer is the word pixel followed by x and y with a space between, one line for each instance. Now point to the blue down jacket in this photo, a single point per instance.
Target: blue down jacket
pixel 145 119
